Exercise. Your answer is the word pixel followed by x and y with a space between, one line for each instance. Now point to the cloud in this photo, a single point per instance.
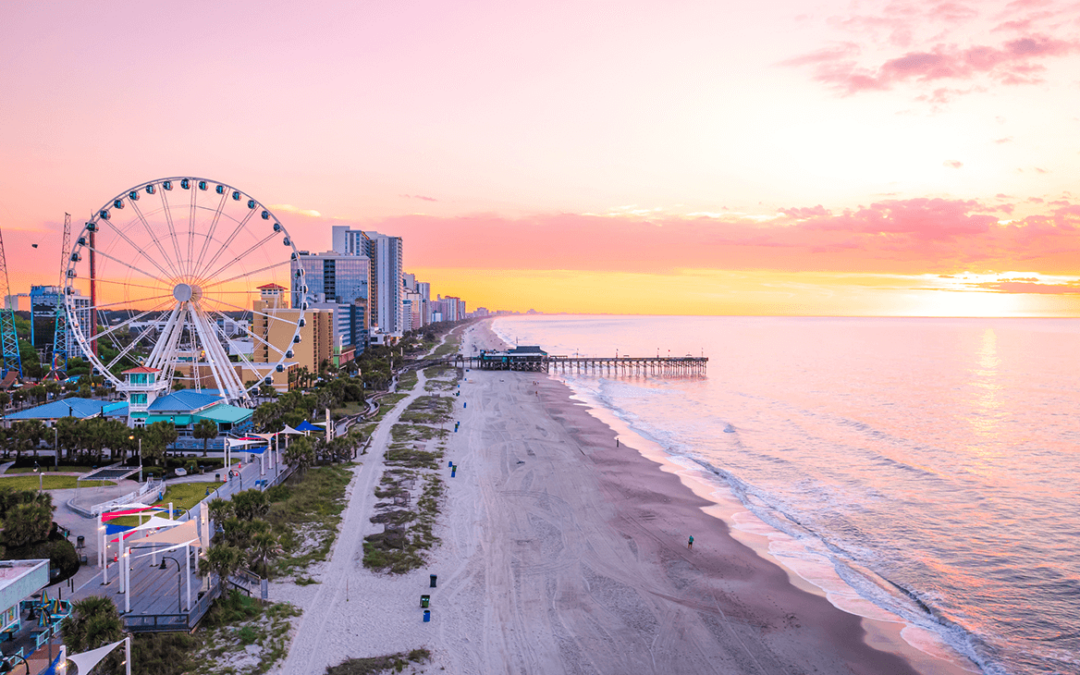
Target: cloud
pixel 1038 170
pixel 802 213
pixel 1007 139
pixel 422 198
pixel 903 236
pixel 953 164
pixel 1018 286
pixel 940 43
pixel 289 208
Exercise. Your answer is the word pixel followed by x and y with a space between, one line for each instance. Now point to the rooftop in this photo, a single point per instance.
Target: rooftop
pixel 80 408
pixel 141 369
pixel 184 401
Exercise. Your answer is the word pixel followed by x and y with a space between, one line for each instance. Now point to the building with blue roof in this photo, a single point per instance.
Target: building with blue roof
pixel 184 408
pixel 79 408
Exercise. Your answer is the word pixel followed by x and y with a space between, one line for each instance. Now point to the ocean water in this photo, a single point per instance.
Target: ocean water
pixel 932 465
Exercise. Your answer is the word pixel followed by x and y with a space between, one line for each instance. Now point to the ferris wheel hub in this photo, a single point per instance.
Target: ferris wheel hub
pixel 186 292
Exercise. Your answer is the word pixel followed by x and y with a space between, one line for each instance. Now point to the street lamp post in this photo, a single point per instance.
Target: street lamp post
pixel 131 438
pixel 179 581
pixel 56 446
pixel 41 476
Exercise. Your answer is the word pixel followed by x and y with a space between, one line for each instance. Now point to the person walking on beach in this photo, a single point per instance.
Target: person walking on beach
pixel 690 545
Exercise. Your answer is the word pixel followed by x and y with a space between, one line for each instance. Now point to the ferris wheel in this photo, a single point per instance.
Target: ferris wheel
pixel 165 276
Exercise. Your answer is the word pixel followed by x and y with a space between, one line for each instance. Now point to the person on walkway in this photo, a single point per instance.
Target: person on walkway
pixel 690 545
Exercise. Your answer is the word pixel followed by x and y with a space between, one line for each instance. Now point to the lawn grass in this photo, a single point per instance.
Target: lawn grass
pixel 30 482
pixel 63 468
pixel 186 495
pixel 307 517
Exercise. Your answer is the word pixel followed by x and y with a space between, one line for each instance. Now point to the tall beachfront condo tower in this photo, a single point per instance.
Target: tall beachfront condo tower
pixel 387 270
pixel 339 279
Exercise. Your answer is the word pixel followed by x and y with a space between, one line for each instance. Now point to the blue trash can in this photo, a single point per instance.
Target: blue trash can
pixel 427 615
pixel 453 472
pixel 434 578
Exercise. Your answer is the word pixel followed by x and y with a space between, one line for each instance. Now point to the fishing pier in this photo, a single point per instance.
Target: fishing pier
pixel 533 359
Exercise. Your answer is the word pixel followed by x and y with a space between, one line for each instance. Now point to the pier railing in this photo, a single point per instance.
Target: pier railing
pixel 661 366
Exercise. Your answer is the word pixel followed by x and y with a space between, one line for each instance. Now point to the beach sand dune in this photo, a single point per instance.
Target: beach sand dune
pixel 562 553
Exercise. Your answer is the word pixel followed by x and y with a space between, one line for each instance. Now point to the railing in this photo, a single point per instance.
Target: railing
pixel 154 623
pixel 150 485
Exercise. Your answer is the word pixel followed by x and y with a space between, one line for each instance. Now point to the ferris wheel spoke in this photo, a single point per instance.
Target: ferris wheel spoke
pixel 172 232
pixel 157 308
pixel 131 267
pixel 243 358
pixel 247 274
pixel 243 255
pixel 137 249
pixel 121 302
pixel 191 230
pixel 252 334
pixel 239 228
pixel 213 226
pixel 132 345
pixel 128 284
pixel 252 311
pixel 153 237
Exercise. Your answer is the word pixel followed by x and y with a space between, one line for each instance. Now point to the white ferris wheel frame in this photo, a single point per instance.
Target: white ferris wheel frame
pixel 186 311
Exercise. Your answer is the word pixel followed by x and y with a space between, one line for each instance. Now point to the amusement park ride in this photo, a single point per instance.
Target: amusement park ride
pixel 170 268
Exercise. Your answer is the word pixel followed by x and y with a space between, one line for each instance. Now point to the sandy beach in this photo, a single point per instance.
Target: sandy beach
pixel 562 553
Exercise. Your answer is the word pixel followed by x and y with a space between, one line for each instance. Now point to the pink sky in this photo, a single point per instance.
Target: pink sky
pixel 620 147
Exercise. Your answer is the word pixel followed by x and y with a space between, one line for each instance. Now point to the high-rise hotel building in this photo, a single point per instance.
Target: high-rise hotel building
pixel 385 257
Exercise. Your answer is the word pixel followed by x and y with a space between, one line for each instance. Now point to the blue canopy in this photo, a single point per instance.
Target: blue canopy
pixel 308 426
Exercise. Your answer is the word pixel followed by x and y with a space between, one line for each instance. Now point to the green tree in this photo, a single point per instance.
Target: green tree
pixel 157 437
pixel 300 453
pixel 263 546
pixel 220 510
pixel 250 504
pixel 223 560
pixel 205 430
pixel 27 524
pixel 28 433
pixel 94 622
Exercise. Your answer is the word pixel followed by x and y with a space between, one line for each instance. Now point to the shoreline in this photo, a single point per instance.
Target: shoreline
pixel 924 649
pixel 656 509
pixel 884 630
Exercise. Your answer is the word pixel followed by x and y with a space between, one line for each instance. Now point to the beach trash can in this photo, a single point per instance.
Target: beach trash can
pixel 453 472
pixel 80 541
pixel 465 404
pixel 434 578
pixel 217 477
pixel 450 465
pixel 427 615
pixel 425 600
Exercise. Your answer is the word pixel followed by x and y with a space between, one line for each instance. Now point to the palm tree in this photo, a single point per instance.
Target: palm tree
pixel 94 622
pixel 204 431
pixel 262 547
pixel 223 560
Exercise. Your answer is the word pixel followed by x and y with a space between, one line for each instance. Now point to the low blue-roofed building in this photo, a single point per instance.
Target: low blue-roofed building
pixel 80 408
pixel 184 401
pixel 185 407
